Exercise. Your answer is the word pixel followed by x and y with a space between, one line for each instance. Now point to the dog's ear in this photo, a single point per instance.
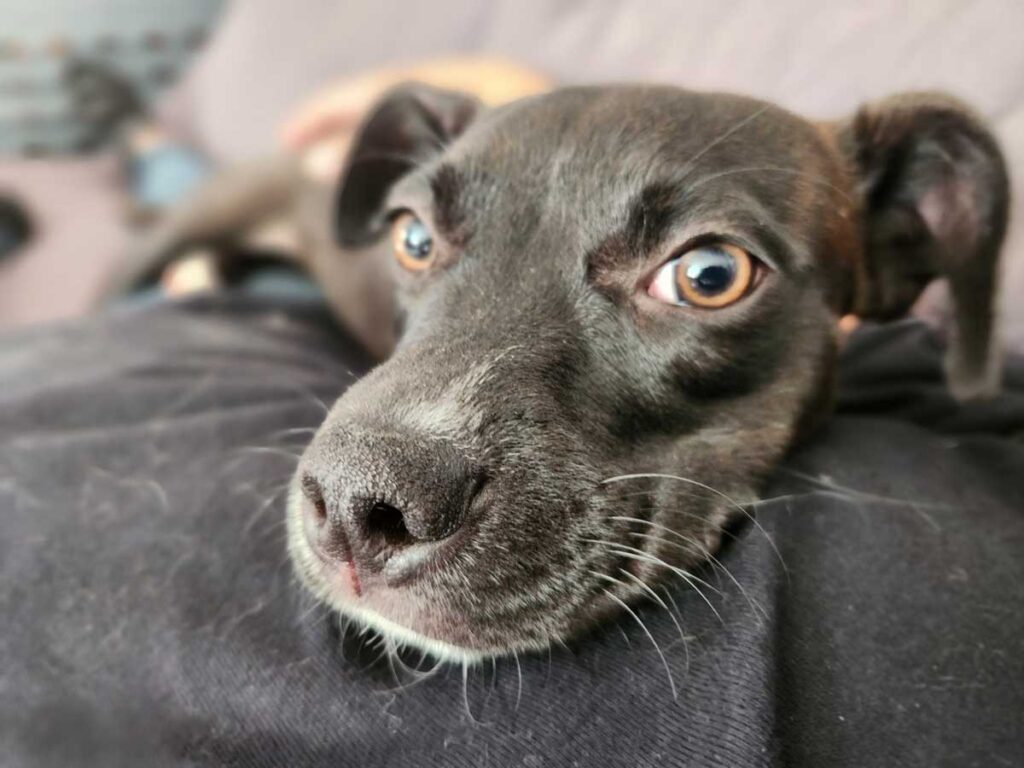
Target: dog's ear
pixel 934 192
pixel 408 125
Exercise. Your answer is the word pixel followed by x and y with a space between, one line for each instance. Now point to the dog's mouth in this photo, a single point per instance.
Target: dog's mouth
pixel 468 597
pixel 408 591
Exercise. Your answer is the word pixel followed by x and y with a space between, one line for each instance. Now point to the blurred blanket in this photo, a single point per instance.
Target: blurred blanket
pixel 148 614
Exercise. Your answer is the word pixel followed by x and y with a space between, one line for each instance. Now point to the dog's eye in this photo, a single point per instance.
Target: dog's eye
pixel 413 244
pixel 708 276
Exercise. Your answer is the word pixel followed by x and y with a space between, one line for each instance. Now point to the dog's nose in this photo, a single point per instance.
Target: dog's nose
pixel 370 497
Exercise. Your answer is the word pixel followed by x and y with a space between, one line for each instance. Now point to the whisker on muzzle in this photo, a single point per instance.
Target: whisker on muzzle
pixel 695 543
pixel 638 620
pixel 721 494
pixel 639 555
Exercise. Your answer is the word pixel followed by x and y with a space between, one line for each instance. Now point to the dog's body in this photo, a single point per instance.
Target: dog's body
pixel 554 433
pixel 269 206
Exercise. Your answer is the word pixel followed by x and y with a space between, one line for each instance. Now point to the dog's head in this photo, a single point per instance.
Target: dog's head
pixel 617 311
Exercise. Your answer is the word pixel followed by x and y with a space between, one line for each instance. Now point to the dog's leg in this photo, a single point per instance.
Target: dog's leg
pixel 224 209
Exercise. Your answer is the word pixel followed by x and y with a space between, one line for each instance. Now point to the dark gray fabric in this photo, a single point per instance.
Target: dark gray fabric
pixel 150 617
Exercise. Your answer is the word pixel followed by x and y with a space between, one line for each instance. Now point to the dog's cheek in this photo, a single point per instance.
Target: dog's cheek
pixel 689 395
pixel 726 361
pixel 707 368
pixel 744 360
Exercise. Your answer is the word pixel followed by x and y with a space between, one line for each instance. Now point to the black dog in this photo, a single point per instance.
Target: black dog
pixel 618 310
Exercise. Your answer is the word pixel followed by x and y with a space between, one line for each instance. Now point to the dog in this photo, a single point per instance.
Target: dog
pixel 607 312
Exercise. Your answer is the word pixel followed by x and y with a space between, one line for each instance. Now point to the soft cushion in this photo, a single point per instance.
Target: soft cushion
pixel 150 616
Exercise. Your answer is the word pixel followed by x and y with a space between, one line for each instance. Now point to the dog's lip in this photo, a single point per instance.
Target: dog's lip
pixel 346 567
pixel 407 564
pixel 416 618
pixel 349 567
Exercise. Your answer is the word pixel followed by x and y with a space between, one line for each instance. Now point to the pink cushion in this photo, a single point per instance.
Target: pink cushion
pixel 79 233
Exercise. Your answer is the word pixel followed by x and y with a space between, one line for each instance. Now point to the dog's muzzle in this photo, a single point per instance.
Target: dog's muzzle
pixel 382 503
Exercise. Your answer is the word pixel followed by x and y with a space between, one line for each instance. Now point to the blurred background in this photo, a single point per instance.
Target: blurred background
pixel 217 80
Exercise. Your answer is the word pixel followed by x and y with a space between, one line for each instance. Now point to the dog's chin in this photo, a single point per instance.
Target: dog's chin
pixel 421 628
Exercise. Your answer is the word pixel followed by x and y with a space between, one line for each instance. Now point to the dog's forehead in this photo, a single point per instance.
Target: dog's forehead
pixel 591 157
pixel 640 132
pixel 613 114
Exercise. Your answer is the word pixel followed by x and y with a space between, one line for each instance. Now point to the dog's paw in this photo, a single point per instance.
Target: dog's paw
pixel 971 380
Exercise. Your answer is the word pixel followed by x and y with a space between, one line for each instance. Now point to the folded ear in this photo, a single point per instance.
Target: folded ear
pixel 935 197
pixel 411 123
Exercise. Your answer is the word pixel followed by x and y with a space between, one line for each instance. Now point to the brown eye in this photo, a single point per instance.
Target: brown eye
pixel 708 276
pixel 412 242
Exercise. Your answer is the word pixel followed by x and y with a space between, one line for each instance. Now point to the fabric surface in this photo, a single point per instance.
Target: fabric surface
pixel 149 615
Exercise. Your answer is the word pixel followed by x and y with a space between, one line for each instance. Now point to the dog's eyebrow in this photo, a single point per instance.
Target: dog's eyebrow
pixel 651 214
pixel 661 207
pixel 447 186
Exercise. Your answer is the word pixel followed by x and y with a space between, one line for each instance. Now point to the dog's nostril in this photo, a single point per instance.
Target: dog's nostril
pixel 311 489
pixel 386 524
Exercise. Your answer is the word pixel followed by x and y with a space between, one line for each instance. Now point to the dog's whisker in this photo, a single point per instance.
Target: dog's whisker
pixel 519 677
pixel 309 612
pixel 625 635
pixel 401 671
pixel 675 510
pixel 664 661
pixel 732 502
pixel 853 498
pixel 269 451
pixel 639 555
pixel 309 395
pixel 465 693
pixel 684 575
pixel 830 485
pixel 650 523
pixel 774 169
pixel 656 508
pixel 675 490
pixel 686 645
pixel 247 489
pixel 654 559
pixel 657 599
pixel 689 540
pixel 390 656
pixel 293 431
pixel 267 503
pixel 273 526
pixel 724 136
pixel 651 593
pixel 378 640
pixel 756 608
